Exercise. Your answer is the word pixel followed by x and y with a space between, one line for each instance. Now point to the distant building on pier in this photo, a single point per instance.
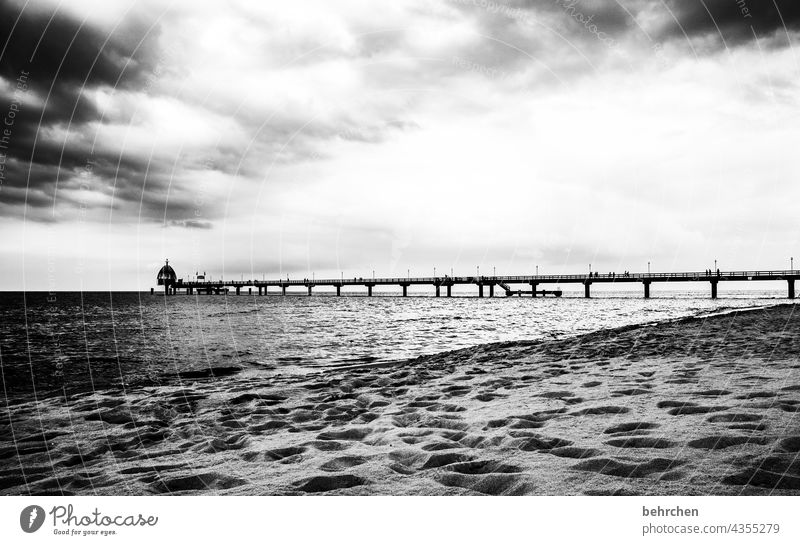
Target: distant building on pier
pixel 167 277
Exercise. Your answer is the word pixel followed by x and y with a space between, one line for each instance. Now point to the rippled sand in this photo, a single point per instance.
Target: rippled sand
pixel 693 406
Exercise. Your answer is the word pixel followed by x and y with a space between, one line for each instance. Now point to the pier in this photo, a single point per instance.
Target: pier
pixel 490 286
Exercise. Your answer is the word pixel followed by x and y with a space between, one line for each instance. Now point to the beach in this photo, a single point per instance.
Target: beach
pixel 692 406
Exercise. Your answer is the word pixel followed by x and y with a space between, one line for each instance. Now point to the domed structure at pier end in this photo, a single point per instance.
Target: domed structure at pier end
pixel 166 276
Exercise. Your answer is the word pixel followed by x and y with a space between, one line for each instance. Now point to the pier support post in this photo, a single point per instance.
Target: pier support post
pixel 480 290
pixel 249 291
pixel 646 289
pixel 283 290
pixel 714 289
pixel 791 288
pixel 534 285
pixel 586 290
pixel 491 290
pixel 449 290
pixel 309 291
pixel 238 289
pixel 369 290
pixel 339 290
pixel 437 290
pixel 405 290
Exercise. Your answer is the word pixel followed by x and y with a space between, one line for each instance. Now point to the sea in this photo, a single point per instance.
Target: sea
pixel 59 343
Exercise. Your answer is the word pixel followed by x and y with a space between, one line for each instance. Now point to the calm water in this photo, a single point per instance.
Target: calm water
pixel 97 340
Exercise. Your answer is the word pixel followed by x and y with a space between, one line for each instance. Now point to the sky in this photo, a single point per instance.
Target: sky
pixel 274 139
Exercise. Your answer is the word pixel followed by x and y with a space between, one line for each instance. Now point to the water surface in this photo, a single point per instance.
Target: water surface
pixel 84 341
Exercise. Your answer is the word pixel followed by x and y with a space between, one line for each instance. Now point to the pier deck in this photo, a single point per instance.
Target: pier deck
pixel 488 283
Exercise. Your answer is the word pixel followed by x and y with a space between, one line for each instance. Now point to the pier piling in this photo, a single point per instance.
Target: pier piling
pixel 173 285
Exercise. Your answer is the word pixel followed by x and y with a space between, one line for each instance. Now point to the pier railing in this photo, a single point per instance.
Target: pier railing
pixel 500 281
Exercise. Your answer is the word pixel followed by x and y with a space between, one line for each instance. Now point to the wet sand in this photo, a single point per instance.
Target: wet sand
pixel 693 406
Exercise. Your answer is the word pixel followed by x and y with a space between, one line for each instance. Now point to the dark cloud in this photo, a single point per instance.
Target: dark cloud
pixel 734 21
pixel 570 17
pixel 729 22
pixel 56 58
pixel 548 41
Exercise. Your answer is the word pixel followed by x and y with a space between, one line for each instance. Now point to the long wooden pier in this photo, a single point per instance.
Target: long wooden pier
pixel 484 284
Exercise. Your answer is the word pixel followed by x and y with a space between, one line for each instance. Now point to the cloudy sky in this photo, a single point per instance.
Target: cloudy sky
pixel 291 138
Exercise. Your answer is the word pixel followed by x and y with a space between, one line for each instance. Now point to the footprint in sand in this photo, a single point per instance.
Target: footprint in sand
pixel 641 442
pixel 734 418
pixel 631 427
pixel 712 393
pixel 717 442
pixel 329 445
pixel 344 462
pixel 134 470
pixel 205 481
pixel 479 442
pixel 680 411
pixel 493 484
pixel 481 467
pixel 629 392
pixel 773 472
pixel 218 444
pixel 446 459
pixel 328 483
pixel 441 445
pixel 351 434
pixel 262 398
pixel 489 396
pixel 541 443
pixel 574 452
pixel 611 409
pixel 615 468
pixel 757 395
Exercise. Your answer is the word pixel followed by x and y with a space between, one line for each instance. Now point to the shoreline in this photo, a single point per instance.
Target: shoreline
pixel 691 405
pixel 15 396
pixel 700 315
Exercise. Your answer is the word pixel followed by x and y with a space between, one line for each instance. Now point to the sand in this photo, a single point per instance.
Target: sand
pixel 692 406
